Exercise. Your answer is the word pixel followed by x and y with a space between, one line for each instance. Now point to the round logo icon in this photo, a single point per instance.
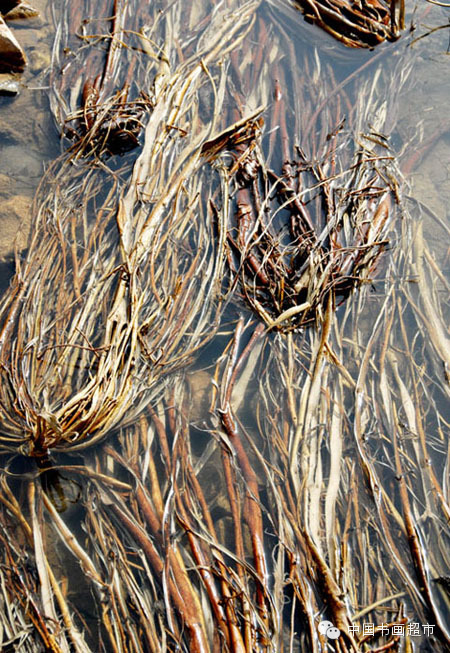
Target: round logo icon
pixel 333 632
pixel 323 627
pixel 327 628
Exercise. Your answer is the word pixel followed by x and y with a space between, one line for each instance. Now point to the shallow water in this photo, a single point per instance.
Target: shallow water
pixel 29 141
pixel 28 138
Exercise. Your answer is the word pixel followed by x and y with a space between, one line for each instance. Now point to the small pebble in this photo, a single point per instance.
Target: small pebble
pixel 22 11
pixel 9 85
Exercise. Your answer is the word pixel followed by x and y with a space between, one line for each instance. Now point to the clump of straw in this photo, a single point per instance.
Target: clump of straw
pixel 356 25
pixel 300 237
pixel 120 282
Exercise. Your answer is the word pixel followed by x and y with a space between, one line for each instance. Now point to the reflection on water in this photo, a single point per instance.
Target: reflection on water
pixel 311 483
pixel 27 136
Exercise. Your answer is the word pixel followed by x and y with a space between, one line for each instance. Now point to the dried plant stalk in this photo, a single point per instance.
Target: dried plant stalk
pixel 316 486
pixel 357 25
pixel 120 281
pixel 308 222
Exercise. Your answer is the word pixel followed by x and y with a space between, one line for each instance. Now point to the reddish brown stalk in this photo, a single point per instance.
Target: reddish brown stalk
pixel 301 591
pixel 115 43
pixel 225 627
pixel 417 555
pixel 33 612
pixel 257 333
pixel 181 591
pixel 235 506
pixel 393 642
pixel 284 136
pixel 331 592
pixel 418 404
pixel 237 643
pixel 421 152
pixel 252 510
pixel 162 438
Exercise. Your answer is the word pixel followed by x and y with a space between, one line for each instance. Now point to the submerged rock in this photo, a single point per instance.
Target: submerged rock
pixel 9 84
pixel 12 56
pixel 25 122
pixel 22 10
pixel 14 223
pixel 39 59
pixel 7 185
pixel 22 161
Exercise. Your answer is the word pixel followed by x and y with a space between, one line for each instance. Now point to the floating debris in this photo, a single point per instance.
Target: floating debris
pixel 356 24
pixel 21 11
pixel 128 277
pixel 301 237
pixel 12 56
pixel 304 489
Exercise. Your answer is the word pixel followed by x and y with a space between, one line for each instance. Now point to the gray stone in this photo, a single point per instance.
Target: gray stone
pixel 7 185
pixel 9 85
pixel 22 11
pixel 15 223
pixel 12 56
pixel 21 162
